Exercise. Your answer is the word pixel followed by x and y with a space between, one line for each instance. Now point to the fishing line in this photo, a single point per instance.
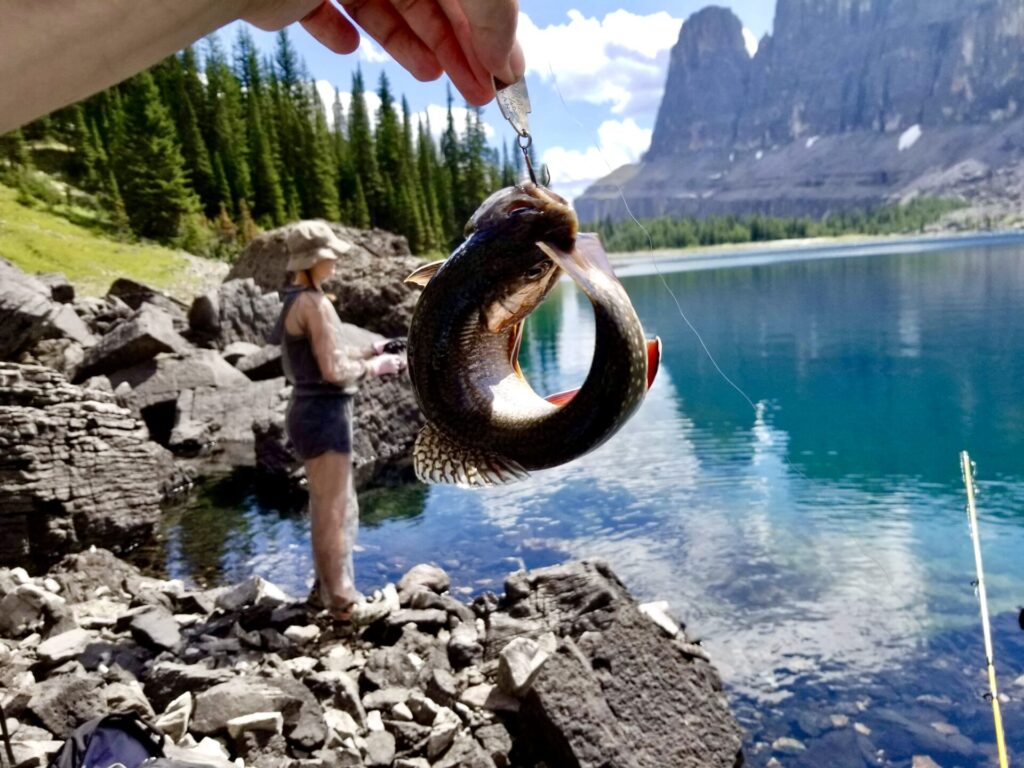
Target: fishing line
pixel 675 299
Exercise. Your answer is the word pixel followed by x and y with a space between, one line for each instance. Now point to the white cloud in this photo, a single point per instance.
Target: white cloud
pixel 621 60
pixel 573 170
pixel 750 41
pixel 438 116
pixel 326 91
pixel 368 51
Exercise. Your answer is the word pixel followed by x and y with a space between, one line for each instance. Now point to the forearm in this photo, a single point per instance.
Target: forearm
pixel 55 53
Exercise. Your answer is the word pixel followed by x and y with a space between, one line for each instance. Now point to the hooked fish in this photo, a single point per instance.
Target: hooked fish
pixel 485 423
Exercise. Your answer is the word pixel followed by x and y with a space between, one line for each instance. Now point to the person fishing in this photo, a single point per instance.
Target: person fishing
pixel 55 53
pixel 324 373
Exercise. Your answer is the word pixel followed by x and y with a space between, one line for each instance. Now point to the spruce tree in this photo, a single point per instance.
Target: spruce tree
pixel 360 216
pixel 268 197
pixel 81 164
pixel 227 124
pixel 508 172
pixel 287 61
pixel 451 191
pixel 192 82
pixel 364 152
pixel 427 168
pixel 155 186
pixel 323 179
pixel 476 181
pixel 197 157
pixel 388 142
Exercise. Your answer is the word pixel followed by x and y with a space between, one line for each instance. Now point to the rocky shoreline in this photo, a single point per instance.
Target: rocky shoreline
pixel 110 406
pixel 565 669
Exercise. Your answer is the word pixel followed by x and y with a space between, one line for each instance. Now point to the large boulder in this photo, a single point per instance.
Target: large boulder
pixel 28 313
pixel 218 422
pixel 102 315
pixel 616 690
pixel 143 337
pixel 135 295
pixel 368 282
pixel 76 469
pixel 237 310
pixel 163 379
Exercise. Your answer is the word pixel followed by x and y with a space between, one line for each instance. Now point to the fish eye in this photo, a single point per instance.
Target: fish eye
pixel 538 270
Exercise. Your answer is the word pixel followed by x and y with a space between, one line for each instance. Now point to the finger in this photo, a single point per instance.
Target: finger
pixel 493 28
pixel 440 32
pixel 330 26
pixel 462 64
pixel 381 21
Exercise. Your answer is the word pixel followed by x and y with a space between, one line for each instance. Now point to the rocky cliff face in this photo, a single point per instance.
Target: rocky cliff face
pixel 849 103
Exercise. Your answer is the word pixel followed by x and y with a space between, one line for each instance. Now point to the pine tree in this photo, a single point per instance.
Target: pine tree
pixel 114 203
pixel 360 216
pixel 323 180
pixel 155 186
pixel 268 197
pixel 197 158
pixel 427 168
pixel 287 61
pixel 81 165
pixel 15 151
pixel 227 125
pixel 388 142
pixel 196 91
pixel 508 172
pixel 98 162
pixel 451 192
pixel 476 183
pixel 364 152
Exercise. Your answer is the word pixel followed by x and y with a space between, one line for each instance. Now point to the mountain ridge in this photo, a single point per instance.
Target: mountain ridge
pixel 848 104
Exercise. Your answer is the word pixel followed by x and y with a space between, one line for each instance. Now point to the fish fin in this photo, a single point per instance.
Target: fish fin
pixel 653 359
pixel 590 246
pixel 585 259
pixel 439 460
pixel 422 275
pixel 514 345
pixel 561 398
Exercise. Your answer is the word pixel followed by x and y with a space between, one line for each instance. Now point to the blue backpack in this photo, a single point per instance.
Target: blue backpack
pixel 116 741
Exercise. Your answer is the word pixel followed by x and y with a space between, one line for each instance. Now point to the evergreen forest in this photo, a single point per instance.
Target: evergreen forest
pixel 206 149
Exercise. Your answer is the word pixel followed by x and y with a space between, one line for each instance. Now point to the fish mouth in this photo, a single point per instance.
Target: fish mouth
pixel 528 205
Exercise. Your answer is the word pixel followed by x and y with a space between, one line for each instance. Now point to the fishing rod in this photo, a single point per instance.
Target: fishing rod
pixel 967 469
pixel 7 737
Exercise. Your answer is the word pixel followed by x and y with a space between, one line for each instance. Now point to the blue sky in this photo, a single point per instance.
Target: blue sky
pixel 595 72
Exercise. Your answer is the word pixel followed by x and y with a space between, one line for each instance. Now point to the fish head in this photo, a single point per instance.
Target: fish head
pixel 519 274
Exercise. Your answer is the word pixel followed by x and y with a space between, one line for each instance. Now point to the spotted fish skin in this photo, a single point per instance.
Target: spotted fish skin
pixel 486 425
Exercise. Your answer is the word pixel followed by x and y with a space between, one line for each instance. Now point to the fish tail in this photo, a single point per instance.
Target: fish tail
pixel 439 460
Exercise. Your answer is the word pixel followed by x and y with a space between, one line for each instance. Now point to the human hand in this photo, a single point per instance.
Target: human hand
pixel 386 364
pixel 471 40
pixel 394 346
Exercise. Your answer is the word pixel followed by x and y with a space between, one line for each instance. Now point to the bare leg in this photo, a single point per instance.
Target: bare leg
pixel 334 519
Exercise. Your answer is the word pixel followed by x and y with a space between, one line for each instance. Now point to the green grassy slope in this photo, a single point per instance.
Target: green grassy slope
pixel 37 241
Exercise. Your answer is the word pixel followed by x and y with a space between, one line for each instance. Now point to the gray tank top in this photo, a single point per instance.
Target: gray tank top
pixel 297 359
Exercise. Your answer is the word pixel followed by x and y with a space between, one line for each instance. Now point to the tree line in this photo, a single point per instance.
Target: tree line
pixel 203 151
pixel 687 232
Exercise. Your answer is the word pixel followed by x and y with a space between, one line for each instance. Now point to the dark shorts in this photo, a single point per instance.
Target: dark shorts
pixel 319 423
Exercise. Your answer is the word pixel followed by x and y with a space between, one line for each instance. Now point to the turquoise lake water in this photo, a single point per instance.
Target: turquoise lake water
pixel 813 538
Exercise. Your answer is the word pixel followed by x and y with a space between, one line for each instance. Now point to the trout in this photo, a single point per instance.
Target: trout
pixel 485 424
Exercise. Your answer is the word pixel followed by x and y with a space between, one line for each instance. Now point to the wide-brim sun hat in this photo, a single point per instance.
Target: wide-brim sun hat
pixel 310 242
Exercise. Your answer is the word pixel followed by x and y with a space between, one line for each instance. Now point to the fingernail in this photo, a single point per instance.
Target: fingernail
pixel 517 62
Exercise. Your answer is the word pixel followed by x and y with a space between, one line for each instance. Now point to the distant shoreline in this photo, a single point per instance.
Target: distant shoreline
pixel 803 249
